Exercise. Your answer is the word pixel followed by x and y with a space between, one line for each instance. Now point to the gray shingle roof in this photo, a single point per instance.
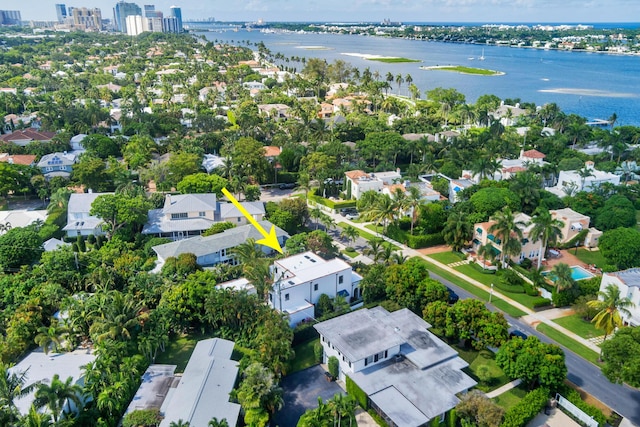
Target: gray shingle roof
pixel 630 277
pixel 189 203
pixel 200 246
pixel 229 210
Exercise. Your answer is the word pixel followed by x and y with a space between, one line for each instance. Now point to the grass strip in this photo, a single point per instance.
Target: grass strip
pixel 579 326
pixel 480 293
pixel 305 357
pixel 367 236
pixel 394 60
pixel 582 351
pixel 469 70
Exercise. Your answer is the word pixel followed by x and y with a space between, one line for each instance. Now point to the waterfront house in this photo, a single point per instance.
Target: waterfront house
pixel 409 375
pixel 299 280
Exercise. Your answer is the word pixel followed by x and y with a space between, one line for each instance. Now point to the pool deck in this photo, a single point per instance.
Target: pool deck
pixel 567 257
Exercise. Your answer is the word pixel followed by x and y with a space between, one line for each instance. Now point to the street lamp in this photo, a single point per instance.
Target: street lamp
pixel 491 293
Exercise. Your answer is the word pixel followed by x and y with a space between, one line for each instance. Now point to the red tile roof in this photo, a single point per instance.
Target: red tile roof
pixel 30 134
pixel 18 159
pixel 534 154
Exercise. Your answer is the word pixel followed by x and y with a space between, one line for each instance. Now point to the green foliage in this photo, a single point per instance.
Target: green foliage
pixel 532 361
pixel 202 183
pixel 525 410
pixel 304 332
pixel 355 391
pixel 142 418
pixel 414 241
pixel 621 247
pixel 252 193
pixel 323 306
pixel 334 366
pixel 621 355
pixel 541 302
pixel 218 228
pixel 19 246
pixel 618 211
pixel 574 397
pixel 331 203
pixel 489 200
pixel 477 408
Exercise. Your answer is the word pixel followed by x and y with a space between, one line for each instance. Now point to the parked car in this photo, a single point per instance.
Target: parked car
pixel 287 186
pixel 517 334
pixel 352 215
pixel 453 297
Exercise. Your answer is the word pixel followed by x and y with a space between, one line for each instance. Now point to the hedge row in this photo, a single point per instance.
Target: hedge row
pixel 414 241
pixel 541 302
pixel 332 204
pixel 357 393
pixel 525 410
pixel 577 238
pixel 304 332
pixel 574 397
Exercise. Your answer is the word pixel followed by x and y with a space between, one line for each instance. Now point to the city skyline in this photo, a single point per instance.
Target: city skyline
pixel 482 11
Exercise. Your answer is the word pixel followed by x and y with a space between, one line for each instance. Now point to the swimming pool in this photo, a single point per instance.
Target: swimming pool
pixel 577 273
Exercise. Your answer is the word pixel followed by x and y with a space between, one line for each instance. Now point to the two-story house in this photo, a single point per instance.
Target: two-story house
pixel 299 280
pixel 628 282
pixel 57 164
pixel 217 248
pixel 530 248
pixel 588 179
pixel 410 376
pixel 574 223
pixel 79 221
pixel 358 182
pixel 187 215
pixel 24 137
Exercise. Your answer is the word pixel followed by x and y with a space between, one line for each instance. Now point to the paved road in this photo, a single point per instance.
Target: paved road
pixel 625 400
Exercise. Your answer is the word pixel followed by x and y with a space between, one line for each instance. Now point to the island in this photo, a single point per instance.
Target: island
pixel 464 70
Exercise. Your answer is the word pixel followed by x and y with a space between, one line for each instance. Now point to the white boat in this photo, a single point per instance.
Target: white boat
pixel 481 56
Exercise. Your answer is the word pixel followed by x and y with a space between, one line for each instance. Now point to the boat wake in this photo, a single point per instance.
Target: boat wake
pixel 590 92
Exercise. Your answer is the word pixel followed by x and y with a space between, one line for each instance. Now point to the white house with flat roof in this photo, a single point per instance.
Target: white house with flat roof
pixel 628 281
pixel 299 280
pixel 409 375
pixel 203 390
pixel 79 221
pixel 570 182
pixel 359 181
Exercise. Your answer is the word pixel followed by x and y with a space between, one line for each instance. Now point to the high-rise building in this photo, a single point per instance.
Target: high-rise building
pixel 89 19
pixel 170 24
pixel 61 12
pixel 151 12
pixel 135 25
pixel 10 17
pixel 120 13
pixel 176 12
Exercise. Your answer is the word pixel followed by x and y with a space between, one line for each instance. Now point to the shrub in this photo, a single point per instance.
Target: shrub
pixel 91 239
pixel 317 351
pixel 415 241
pixel 334 367
pixel 577 238
pixel 574 397
pixel 526 263
pixel 525 410
pixel 541 302
pixel 304 332
pixel 142 418
pixel 511 278
pixel 565 297
pixel 357 393
pixel 530 290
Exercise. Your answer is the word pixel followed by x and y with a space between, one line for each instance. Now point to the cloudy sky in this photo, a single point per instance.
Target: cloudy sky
pixel 483 11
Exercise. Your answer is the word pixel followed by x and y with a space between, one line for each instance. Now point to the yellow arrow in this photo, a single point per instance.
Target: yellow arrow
pixel 270 239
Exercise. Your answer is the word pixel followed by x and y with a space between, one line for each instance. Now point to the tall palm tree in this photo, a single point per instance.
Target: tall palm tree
pixel 374 249
pixel 12 387
pixel 381 212
pixel 584 173
pixel 259 275
pixel 51 337
pixel 349 233
pixel 247 252
pixel 546 229
pixel 562 273
pixel 509 231
pixel 54 396
pixel 214 422
pixel 610 306
pixel 486 252
pixel 34 418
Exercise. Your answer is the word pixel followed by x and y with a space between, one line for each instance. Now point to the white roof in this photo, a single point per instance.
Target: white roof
pixel 203 392
pixel 307 266
pixel 42 367
pixel 22 217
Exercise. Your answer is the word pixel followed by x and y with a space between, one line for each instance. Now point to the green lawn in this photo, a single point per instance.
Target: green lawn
pixel 467 70
pixel 582 351
pixel 350 254
pixel 480 293
pixel 304 356
pixel 497 377
pixel 447 257
pixel 509 398
pixel 579 326
pixel 365 235
pixel 179 350
pixel 591 257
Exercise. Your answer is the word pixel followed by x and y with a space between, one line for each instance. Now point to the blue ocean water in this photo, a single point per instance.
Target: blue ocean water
pixel 592 85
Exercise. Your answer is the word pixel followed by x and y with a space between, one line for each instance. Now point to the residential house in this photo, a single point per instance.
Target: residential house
pixel 510 167
pixel 18 159
pixel 11 121
pixel 509 114
pixel 54 244
pixel 25 136
pixel 79 221
pixel 186 215
pixel 216 249
pixel 410 376
pixel 299 280
pixel 22 217
pixel 571 182
pixel 211 162
pixel 41 367
pixel 530 248
pixel 197 395
pixel 427 193
pixel 57 164
pixel 358 182
pixel 277 111
pixel 574 223
pixel 456 186
pixel 628 282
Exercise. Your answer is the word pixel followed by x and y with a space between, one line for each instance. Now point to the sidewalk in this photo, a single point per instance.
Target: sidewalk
pixel 532 317
pixel 508 386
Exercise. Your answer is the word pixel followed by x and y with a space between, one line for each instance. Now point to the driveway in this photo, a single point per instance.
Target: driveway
pixel 301 392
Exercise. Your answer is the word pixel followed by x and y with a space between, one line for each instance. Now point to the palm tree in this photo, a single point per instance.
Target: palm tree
pixel 374 249
pixel 35 418
pixel 259 275
pixel 179 423
pixel 213 422
pixel 584 173
pixel 12 387
pixel 486 252
pixel 457 230
pixel 546 229
pixel 316 214
pixel 562 274
pixel 247 253
pixel 59 199
pixel 54 396
pixel 414 200
pixel 610 306
pixel 349 233
pixel 509 231
pixel 50 337
pixel 381 212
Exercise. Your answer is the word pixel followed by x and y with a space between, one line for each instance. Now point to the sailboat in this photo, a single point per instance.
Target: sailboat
pixel 481 56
